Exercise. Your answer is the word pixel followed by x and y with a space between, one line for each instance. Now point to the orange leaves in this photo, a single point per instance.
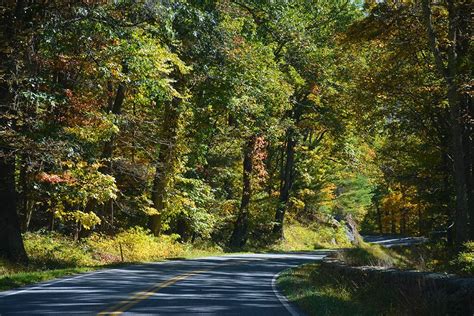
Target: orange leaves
pixel 78 105
pixel 54 178
pixel 259 154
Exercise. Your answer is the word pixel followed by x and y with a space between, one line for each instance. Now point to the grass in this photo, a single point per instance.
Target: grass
pixel 370 255
pixel 318 292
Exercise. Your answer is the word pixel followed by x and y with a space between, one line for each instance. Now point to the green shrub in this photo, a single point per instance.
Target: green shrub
pixel 53 250
pixel 465 259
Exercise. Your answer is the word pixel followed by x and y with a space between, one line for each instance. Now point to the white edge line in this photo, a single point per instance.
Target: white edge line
pixel 41 285
pixel 283 300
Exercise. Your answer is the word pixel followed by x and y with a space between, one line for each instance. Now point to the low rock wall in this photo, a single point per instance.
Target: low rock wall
pixel 427 293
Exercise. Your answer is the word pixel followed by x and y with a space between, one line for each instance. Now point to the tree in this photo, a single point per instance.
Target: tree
pixel 14 21
pixel 455 72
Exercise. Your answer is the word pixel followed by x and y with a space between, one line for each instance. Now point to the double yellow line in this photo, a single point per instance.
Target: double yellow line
pixel 125 305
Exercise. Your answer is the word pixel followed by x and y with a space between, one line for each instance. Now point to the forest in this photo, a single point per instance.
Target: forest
pixel 231 122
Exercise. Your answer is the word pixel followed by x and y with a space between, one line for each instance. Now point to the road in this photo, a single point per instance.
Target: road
pixel 225 285
pixel 241 284
pixel 393 241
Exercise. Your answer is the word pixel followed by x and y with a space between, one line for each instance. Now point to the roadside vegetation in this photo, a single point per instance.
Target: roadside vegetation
pixel 319 293
pixel 427 257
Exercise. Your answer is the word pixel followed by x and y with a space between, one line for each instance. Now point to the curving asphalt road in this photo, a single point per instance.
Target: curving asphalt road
pixel 225 285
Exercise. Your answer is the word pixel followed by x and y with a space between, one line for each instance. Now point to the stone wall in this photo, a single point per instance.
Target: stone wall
pixel 423 293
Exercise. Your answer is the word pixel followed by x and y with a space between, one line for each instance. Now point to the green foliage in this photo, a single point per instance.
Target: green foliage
pixel 193 202
pixel 464 261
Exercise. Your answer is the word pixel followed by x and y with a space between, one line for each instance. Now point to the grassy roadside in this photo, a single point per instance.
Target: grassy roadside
pixel 427 257
pixel 23 278
pixel 320 293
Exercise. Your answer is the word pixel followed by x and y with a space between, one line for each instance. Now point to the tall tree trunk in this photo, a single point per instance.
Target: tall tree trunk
pixel 393 222
pixel 286 183
pixel 461 218
pixel 403 222
pixel 238 238
pixel 470 164
pixel 116 109
pixel 165 162
pixel 379 218
pixel 11 242
pixel 451 76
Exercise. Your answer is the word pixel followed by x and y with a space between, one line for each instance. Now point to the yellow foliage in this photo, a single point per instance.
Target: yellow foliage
pixel 401 207
pixel 136 245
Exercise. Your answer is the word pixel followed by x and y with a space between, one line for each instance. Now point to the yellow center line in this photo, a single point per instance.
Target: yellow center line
pixel 126 304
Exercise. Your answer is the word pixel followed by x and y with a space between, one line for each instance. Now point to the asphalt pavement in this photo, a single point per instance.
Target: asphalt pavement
pixel 225 285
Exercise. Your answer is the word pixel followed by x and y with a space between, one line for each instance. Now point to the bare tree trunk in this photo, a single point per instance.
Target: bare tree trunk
pixel 239 235
pixel 403 222
pixel 116 109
